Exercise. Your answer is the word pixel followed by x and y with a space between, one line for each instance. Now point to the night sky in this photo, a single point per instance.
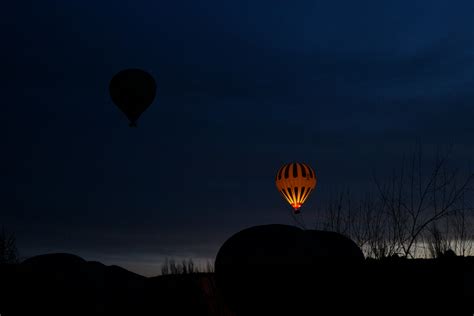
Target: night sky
pixel 348 87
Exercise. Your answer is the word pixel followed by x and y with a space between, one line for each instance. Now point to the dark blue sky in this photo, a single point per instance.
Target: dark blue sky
pixel 243 87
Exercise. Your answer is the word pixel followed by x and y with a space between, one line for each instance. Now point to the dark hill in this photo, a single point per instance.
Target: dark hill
pixel 54 261
pixel 65 284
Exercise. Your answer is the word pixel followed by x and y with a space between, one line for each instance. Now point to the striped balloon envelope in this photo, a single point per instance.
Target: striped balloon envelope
pixel 295 181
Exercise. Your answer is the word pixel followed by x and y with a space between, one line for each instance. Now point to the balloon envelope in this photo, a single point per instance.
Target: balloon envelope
pixel 295 181
pixel 265 269
pixel 133 91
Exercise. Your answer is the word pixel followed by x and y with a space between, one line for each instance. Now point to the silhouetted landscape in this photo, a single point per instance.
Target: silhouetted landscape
pixel 260 270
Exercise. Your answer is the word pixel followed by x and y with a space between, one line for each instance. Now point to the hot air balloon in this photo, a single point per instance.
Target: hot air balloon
pixel 263 270
pixel 295 181
pixel 133 91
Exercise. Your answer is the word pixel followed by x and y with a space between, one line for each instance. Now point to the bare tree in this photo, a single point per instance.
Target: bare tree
pixel 362 220
pixel 462 235
pixel 413 200
pixel 191 267
pixel 406 210
pixel 8 251
pixel 381 231
pixel 185 267
pixel 209 267
pixel 338 213
pixel 438 243
pixel 174 268
pixel 165 269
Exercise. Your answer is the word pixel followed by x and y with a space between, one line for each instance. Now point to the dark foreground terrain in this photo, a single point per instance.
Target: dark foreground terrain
pixel 64 284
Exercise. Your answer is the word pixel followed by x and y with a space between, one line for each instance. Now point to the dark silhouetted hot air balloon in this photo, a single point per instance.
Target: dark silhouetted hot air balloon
pixel 295 181
pixel 267 269
pixel 133 91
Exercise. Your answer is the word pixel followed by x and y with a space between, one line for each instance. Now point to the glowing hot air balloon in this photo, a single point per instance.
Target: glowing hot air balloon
pixel 295 181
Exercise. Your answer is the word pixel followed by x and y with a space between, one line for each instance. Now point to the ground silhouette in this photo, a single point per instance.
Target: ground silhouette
pixel 271 269
pixel 65 284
